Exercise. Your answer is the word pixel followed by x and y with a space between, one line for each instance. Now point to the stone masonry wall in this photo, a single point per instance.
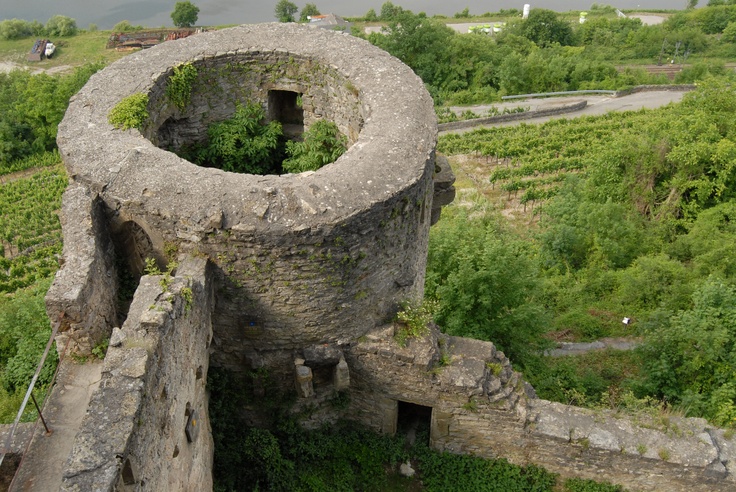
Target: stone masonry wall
pixel 238 78
pixel 317 257
pixel 305 271
pixel 480 406
pixel 147 425
pixel 82 298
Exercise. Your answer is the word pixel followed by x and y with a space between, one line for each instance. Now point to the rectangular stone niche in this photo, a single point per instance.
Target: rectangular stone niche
pixel 330 377
pixel 285 107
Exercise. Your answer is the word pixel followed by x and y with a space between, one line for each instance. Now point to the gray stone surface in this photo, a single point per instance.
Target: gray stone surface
pixel 150 383
pixel 82 298
pixel 317 257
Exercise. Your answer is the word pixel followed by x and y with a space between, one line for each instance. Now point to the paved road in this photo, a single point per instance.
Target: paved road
pixel 462 27
pixel 596 105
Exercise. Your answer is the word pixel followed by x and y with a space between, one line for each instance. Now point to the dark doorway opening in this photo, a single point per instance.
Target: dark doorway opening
pixel 414 421
pixel 285 107
pixel 322 376
pixel 132 248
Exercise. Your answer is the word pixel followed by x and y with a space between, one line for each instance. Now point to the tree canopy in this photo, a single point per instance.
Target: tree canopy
pixel 544 27
pixel 185 14
pixel 309 10
pixel 285 11
pixel 61 25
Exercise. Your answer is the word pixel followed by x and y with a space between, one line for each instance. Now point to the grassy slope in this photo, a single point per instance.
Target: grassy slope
pixel 85 47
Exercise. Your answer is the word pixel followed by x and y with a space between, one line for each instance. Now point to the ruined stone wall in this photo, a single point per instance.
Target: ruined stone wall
pixel 235 78
pixel 305 271
pixel 319 257
pixel 147 425
pixel 480 406
pixel 82 299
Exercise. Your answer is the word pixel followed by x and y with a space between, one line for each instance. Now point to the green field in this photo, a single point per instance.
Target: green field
pixel 72 51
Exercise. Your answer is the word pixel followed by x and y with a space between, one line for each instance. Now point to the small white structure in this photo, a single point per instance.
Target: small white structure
pixel 527 8
pixel 50 49
pixel 583 17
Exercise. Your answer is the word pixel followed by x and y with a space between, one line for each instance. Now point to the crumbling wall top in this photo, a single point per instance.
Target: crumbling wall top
pixel 393 150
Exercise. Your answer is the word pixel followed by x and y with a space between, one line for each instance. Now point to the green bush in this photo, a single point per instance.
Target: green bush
pixel 130 112
pixel 125 26
pixel 242 144
pixel 445 472
pixel 322 144
pixel 689 357
pixel 31 108
pixel 24 333
pixel 414 319
pixel 18 28
pixel 486 283
pixel 61 25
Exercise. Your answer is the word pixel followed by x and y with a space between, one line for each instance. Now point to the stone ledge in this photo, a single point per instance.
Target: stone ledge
pixel 684 441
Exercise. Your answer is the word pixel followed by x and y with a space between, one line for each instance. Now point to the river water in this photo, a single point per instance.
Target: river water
pixel 156 13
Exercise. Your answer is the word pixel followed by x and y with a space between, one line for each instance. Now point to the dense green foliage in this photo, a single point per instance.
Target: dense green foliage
pixel 179 87
pixel 130 112
pixel 243 144
pixel 321 144
pixel 57 25
pixel 486 283
pixel 550 52
pixel 61 25
pixel 692 356
pixel 31 107
pixel 24 332
pixel 126 26
pixel 18 28
pixel 285 11
pixel 635 219
pixel 185 14
pixel 308 11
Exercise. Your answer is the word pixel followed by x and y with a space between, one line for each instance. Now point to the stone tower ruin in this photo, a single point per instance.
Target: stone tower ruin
pixel 300 275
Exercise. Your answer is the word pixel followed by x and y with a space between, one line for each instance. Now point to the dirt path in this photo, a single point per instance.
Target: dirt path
pixel 8 66
pixel 41 467
pixel 23 173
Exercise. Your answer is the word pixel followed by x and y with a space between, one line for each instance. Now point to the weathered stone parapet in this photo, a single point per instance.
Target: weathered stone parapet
pixel 671 452
pixel 445 373
pixel 143 423
pixel 444 189
pixel 81 300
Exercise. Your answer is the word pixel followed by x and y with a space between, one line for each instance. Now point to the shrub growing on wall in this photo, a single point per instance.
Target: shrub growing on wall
pixel 243 144
pixel 323 143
